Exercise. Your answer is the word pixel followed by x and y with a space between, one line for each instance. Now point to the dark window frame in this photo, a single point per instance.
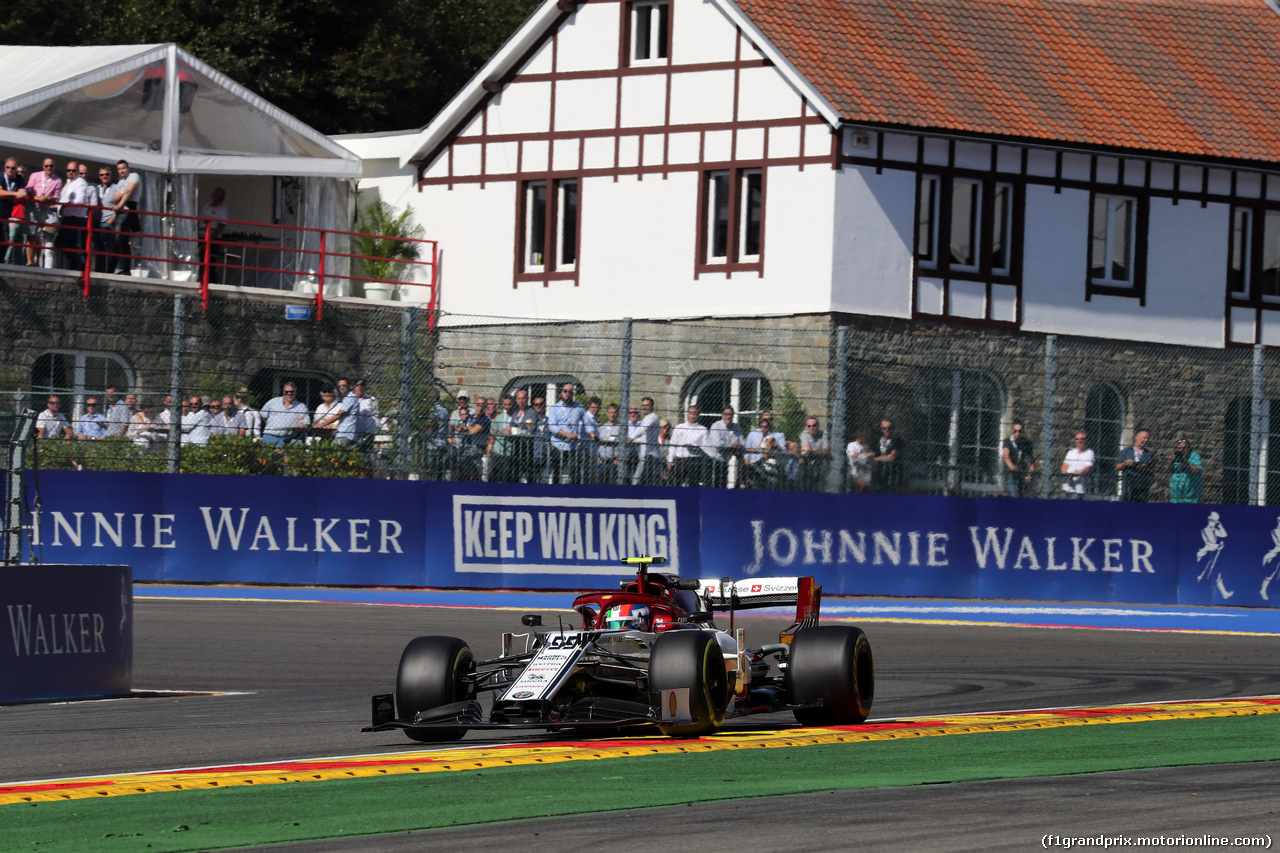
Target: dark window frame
pixel 1136 288
pixel 561 229
pixel 930 259
pixel 751 230
pixel 1246 266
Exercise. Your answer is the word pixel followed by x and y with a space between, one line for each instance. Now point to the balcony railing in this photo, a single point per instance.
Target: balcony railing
pixel 244 253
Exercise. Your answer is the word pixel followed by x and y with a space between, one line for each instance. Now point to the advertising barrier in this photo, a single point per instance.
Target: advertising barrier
pixel 66 632
pixel 206 528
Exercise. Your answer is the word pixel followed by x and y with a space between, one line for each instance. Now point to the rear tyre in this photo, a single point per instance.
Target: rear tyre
pixel 832 663
pixel 430 675
pixel 691 659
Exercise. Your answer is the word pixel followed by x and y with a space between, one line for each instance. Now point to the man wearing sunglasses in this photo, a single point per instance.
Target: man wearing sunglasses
pixel 44 189
pixel 11 192
pixel 1017 454
pixel 92 425
pixel 74 202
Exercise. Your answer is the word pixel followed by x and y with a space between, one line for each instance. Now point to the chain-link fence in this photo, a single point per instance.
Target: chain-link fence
pixel 853 403
pixel 869 404
pixel 140 377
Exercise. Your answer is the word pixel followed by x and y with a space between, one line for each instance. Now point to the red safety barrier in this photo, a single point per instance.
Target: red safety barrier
pixel 230 252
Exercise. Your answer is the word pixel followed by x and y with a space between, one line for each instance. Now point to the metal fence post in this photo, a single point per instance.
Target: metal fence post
pixel 835 471
pixel 1047 408
pixel 15 487
pixel 404 430
pixel 1257 480
pixel 624 401
pixel 173 452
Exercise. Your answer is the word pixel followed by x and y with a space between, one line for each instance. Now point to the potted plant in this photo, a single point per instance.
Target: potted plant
pixel 386 243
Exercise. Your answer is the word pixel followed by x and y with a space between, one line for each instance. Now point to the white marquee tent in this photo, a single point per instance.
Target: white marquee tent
pixel 111 102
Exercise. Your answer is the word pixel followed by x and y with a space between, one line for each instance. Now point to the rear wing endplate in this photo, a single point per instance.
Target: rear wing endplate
pixel 727 594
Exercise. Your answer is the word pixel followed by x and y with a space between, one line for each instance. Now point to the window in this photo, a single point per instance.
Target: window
pixel 1117 245
pixel 76 374
pixel 1242 483
pixel 546 387
pixel 733 219
pixel 746 390
pixel 955 434
pixel 650 31
pixel 549 234
pixel 1104 424
pixel 1255 254
pixel 976 219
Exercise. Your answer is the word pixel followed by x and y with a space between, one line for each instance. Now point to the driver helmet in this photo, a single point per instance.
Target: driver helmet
pixel 624 616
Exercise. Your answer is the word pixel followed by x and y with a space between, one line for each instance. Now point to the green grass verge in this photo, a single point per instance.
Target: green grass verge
pixel 255 815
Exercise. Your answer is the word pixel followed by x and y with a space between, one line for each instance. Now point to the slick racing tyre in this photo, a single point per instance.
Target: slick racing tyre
pixel 832 663
pixel 430 675
pixel 690 659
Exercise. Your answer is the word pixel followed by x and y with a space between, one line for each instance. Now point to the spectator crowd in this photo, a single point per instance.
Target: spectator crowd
pixel 519 439
pixel 51 219
pixel 348 416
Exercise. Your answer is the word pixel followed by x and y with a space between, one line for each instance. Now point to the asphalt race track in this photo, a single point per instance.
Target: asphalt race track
pixel 294 679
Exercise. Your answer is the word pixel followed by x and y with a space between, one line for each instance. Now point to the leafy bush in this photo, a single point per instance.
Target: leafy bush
pixel 223 455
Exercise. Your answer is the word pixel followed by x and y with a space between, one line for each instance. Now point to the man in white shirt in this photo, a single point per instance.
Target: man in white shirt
pixel 724 438
pixel 196 422
pixel 74 202
pixel 815 454
pixel 765 447
pixel 1077 464
pixel 282 415
pixel 685 456
pixel 229 421
pixel 51 423
pixel 118 413
pixel 645 433
pixel 252 417
pixel 128 197
pixel 607 434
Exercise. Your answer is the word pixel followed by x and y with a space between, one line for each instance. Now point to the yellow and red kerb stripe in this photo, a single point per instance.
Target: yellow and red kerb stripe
pixel 316 770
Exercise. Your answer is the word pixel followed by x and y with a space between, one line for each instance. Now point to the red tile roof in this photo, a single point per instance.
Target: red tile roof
pixel 1187 77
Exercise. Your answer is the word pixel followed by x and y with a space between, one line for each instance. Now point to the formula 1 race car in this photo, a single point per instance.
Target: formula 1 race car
pixel 649 655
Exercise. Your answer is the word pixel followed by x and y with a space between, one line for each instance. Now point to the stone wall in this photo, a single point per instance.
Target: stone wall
pixel 898 369
pixel 243 334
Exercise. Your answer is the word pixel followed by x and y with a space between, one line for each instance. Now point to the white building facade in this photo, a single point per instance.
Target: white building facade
pixel 994 172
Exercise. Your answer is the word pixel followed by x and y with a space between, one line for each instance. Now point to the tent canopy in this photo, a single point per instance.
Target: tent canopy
pixel 113 102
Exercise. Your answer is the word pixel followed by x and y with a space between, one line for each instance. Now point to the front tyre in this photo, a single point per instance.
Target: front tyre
pixel 430 675
pixel 832 663
pixel 691 659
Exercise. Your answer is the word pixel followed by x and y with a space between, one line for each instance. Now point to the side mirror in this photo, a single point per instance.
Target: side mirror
pixel 531 620
pixel 688 583
pixel 701 617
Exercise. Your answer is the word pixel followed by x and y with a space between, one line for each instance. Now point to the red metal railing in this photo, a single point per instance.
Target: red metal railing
pixel 309 255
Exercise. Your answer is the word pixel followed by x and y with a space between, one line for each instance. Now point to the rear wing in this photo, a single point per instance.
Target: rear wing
pixel 727 594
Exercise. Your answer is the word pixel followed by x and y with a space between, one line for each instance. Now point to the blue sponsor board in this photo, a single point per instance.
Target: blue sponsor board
pixel 946 547
pixel 556 537
pixel 65 632
pixel 494 536
pixel 194 527
pixel 359 532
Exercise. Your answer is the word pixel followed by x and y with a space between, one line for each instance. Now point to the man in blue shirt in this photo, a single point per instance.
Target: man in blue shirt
pixel 92 425
pixel 565 424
